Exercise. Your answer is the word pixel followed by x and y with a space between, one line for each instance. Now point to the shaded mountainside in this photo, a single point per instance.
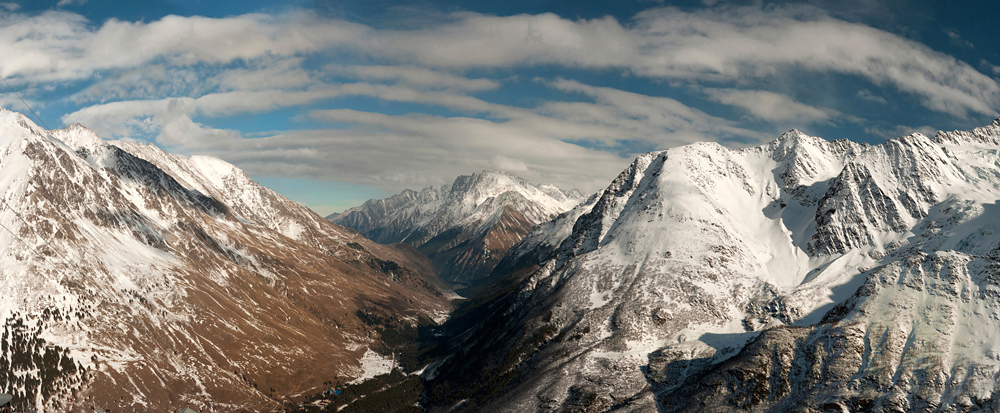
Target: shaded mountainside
pixel 465 228
pixel 137 280
pixel 800 275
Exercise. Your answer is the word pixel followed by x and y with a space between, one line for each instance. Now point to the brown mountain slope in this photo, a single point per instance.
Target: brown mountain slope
pixel 155 285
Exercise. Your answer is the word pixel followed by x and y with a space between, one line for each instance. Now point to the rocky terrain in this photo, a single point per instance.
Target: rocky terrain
pixel 136 280
pixel 799 275
pixel 464 228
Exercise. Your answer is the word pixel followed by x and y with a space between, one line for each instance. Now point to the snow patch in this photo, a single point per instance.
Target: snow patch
pixel 373 364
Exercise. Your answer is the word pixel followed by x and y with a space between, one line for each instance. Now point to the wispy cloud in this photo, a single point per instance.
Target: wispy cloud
pixel 750 44
pixel 957 40
pixel 12 101
pixel 413 76
pixel 58 45
pixel 865 94
pixel 771 106
pixel 891 132
pixel 134 117
pixel 990 67
pixel 662 120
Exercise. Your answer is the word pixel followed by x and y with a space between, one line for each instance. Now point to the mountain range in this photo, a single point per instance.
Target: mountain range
pixel 136 280
pixel 798 275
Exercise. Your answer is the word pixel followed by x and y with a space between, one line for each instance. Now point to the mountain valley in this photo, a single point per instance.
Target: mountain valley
pixel 137 280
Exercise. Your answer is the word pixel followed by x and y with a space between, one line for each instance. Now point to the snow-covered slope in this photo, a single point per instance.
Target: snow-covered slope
pixel 140 281
pixel 691 253
pixel 465 227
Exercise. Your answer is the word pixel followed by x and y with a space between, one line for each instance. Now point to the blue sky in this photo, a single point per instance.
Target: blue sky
pixel 334 102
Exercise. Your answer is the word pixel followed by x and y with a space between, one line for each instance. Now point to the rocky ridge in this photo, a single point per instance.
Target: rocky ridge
pixel 801 274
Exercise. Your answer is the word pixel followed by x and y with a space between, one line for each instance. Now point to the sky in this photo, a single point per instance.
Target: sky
pixel 331 103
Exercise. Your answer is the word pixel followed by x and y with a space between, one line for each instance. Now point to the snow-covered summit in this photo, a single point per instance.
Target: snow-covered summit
pixel 215 169
pixel 692 252
pixel 467 226
pixel 470 191
pixel 77 137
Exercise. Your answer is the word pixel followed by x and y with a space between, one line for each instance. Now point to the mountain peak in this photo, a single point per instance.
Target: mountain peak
pixel 793 135
pixel 14 126
pixel 790 141
pixel 487 173
pixel 465 227
pixel 485 179
pixel 791 144
pixel 77 136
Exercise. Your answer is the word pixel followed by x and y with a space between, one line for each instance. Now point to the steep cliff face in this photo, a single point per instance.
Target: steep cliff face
pixel 140 281
pixel 801 274
pixel 465 228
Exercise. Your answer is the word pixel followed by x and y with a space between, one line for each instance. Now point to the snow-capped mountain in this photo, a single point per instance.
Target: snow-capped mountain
pixel 800 275
pixel 136 280
pixel 466 227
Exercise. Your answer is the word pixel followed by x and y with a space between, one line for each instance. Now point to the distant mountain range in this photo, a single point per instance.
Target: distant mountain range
pixel 464 228
pixel 136 280
pixel 799 275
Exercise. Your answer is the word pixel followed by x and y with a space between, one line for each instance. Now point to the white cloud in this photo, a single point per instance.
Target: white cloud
pixel 770 106
pixel 142 117
pixel 414 76
pixel 943 83
pixel 746 43
pixel 504 163
pixel 148 82
pixel 17 101
pixel 479 40
pixel 662 120
pixel 900 130
pixel 267 73
pixel 12 102
pixel 57 45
